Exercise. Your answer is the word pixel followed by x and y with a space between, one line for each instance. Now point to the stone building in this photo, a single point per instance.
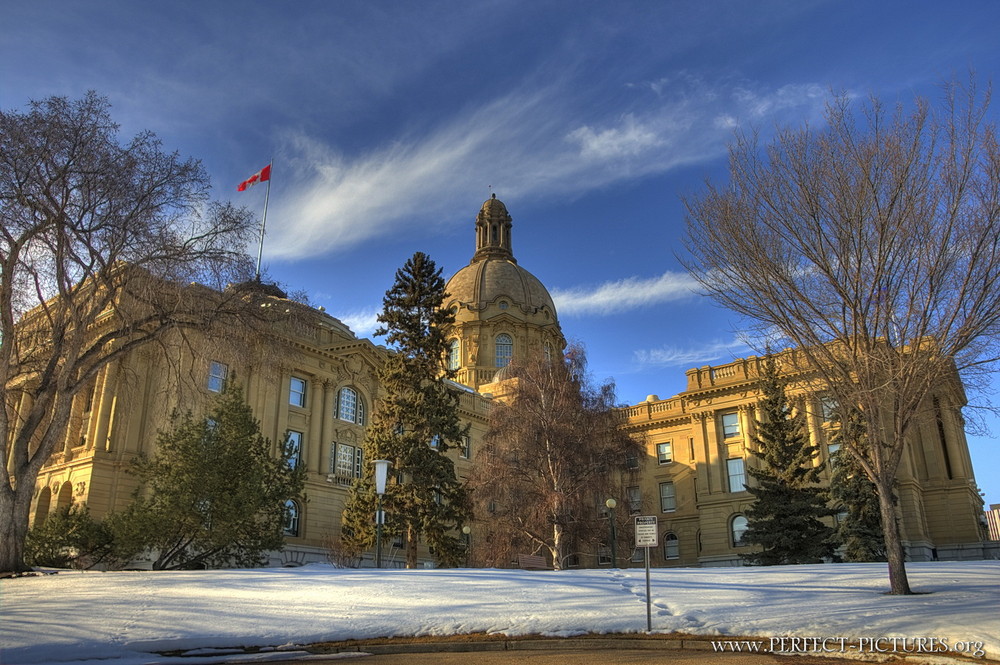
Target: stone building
pixel 320 384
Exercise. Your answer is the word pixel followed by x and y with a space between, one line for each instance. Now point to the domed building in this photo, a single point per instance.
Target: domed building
pixel 502 311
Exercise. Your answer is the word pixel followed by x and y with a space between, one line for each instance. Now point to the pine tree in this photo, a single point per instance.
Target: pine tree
pixel 414 425
pixel 785 520
pixel 215 493
pixel 860 529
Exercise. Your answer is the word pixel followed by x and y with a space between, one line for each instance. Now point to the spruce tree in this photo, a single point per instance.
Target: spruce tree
pixel 785 520
pixel 860 529
pixel 414 425
pixel 215 493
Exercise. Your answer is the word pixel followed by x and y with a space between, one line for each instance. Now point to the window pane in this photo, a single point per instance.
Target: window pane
pixel 634 500
pixel 347 408
pixel 665 452
pixel 297 392
pixel 739 528
pixel 737 474
pixel 294 448
pixel 668 498
pixel 217 374
pixel 291 518
pixel 730 424
pixel 671 547
pixel 504 349
pixel 453 355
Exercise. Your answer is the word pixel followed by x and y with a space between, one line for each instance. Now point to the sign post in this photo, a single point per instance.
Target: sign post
pixel 646 536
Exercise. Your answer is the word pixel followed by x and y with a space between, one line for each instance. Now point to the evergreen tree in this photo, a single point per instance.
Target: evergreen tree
pixel 414 425
pixel 785 520
pixel 216 495
pixel 860 529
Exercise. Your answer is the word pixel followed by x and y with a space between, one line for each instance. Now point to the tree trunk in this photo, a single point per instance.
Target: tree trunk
pixel 15 505
pixel 898 583
pixel 411 547
pixel 557 546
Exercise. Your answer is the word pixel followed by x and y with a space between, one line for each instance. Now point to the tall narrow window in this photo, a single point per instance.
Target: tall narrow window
pixel 671 546
pixel 293 448
pixel 453 354
pixel 665 452
pixel 297 391
pixel 668 498
pixel 217 374
pixel 634 499
pixel 504 349
pixel 345 463
pixel 465 450
pixel 737 474
pixel 291 518
pixel 738 527
pixel 350 407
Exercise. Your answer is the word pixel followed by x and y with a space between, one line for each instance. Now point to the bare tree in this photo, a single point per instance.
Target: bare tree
pixel 873 246
pixel 554 453
pixel 104 247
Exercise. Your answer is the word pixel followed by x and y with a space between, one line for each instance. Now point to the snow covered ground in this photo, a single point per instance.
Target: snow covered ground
pixel 75 617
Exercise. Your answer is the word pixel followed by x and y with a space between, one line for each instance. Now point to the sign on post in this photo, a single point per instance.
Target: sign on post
pixel 646 536
pixel 645 531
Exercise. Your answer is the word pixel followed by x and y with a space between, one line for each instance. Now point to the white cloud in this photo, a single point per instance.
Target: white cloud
pixel 528 144
pixel 362 322
pixel 624 294
pixel 693 356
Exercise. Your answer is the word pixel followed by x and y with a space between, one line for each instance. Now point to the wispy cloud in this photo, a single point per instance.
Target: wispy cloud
pixel 528 143
pixel 362 322
pixel 624 294
pixel 693 356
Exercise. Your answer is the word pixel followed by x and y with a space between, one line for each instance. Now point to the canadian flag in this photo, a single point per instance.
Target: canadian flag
pixel 259 176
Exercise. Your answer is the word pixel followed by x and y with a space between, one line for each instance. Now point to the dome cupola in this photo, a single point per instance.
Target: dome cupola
pixel 502 311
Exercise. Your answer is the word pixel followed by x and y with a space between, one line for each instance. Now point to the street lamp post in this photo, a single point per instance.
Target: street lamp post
pixel 467 532
pixel 611 503
pixel 381 473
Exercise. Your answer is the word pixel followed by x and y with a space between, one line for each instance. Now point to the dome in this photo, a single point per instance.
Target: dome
pixel 493 275
pixel 492 280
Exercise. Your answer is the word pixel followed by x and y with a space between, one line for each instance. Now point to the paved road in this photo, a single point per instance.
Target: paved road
pixel 572 657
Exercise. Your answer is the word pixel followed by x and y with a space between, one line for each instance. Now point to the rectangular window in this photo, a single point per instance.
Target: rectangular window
pixel 345 463
pixel 634 500
pixel 665 452
pixel 293 448
pixel 631 461
pixel 297 392
pixel 827 407
pixel 668 498
pixel 730 424
pixel 603 555
pixel 217 374
pixel 737 474
pixel 465 451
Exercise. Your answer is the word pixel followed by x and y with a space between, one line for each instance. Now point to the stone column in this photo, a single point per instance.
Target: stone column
pixel 314 437
pixel 101 425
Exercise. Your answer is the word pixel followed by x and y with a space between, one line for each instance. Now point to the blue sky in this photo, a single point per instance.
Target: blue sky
pixel 391 122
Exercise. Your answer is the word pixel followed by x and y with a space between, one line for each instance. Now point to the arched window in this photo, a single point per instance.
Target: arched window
pixel 738 528
pixel 671 546
pixel 291 518
pixel 504 349
pixel 453 354
pixel 350 407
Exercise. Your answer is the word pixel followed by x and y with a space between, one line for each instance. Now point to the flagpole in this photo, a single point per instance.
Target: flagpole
pixel 263 223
